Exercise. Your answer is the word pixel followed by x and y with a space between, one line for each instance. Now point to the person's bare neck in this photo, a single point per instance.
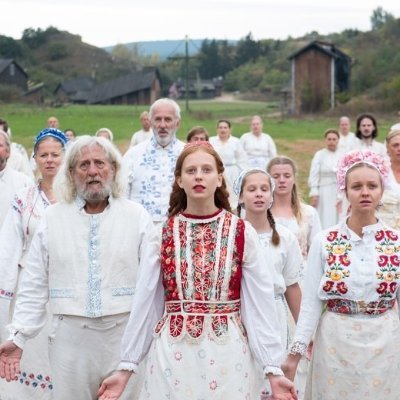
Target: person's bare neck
pixel 357 221
pixel 259 222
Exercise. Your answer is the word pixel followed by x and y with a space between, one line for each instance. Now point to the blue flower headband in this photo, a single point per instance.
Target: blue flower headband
pixel 237 186
pixel 50 132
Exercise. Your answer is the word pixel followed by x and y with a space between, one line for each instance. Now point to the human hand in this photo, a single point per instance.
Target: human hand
pixel 282 388
pixel 113 386
pixel 10 357
pixel 289 367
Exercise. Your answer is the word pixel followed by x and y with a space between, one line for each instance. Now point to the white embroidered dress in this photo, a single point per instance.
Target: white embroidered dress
pixel 389 212
pixel 10 182
pixel 16 234
pixel 259 149
pixel 322 183
pixel 235 160
pixel 209 280
pixel 355 356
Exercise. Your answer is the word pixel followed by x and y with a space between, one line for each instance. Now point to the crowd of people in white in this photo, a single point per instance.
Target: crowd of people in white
pixel 197 267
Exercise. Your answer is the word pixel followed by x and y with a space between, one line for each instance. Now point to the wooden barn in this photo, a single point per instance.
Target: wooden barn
pixel 74 91
pixel 319 71
pixel 12 74
pixel 140 87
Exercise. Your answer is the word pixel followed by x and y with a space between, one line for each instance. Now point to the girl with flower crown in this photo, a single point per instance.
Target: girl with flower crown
pixel 204 307
pixel 353 273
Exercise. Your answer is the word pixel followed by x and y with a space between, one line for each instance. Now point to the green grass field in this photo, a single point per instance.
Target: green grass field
pixel 298 138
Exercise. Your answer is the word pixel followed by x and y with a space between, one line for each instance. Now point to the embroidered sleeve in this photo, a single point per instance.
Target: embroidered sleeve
pixel 298 348
pixel 272 369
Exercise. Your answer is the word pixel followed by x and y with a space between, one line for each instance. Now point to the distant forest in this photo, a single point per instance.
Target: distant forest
pixel 258 69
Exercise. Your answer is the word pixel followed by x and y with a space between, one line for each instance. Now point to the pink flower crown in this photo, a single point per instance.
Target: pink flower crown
pixel 349 160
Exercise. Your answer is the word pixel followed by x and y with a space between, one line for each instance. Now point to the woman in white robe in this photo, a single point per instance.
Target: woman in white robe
pixel 322 180
pixel 34 381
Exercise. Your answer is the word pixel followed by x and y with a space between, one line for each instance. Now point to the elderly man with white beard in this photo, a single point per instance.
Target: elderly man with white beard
pixel 83 261
pixel 150 165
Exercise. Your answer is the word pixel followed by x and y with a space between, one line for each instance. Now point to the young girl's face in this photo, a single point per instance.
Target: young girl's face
pixel 256 193
pixel 283 175
pixel 199 176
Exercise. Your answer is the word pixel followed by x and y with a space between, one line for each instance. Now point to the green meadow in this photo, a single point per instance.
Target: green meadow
pixel 297 137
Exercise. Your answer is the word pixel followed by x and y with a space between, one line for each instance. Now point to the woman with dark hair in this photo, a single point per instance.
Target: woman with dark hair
pixel 197 133
pixel 197 296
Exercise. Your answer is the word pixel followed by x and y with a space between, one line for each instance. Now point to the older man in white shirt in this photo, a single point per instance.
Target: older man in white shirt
pixel 83 260
pixel 150 165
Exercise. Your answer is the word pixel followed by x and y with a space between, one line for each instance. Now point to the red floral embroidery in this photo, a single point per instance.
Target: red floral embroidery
pixel 338 261
pixel 388 262
pixel 203 272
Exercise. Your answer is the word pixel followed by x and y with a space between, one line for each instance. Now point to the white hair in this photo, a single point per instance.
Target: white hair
pixel 165 101
pixel 106 130
pixel 64 185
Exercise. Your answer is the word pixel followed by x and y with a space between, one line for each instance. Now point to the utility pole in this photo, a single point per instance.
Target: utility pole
pixel 186 58
pixel 187 72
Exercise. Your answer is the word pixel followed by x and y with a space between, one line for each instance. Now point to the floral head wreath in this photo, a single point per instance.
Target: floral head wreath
pixel 349 160
pixel 237 185
pixel 50 132
pixel 198 143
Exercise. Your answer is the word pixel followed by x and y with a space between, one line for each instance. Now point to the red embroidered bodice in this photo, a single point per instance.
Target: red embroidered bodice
pixel 201 260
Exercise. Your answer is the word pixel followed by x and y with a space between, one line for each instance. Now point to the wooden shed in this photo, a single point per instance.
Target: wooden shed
pixel 11 73
pixel 140 87
pixel 319 71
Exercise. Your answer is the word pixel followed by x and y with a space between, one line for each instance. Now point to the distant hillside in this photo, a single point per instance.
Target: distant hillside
pixel 165 48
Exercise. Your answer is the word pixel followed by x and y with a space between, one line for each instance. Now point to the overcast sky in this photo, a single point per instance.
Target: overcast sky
pixel 108 22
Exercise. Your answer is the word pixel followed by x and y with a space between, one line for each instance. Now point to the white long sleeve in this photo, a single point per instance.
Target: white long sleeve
pixel 313 178
pixel 33 293
pixel 258 311
pixel 12 242
pixel 147 307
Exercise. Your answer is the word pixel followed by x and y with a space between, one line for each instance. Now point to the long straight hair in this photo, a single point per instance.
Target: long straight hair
pixel 295 200
pixel 178 198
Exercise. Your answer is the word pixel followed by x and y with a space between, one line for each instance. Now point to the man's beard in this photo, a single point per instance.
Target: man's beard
pixel 100 195
pixel 164 141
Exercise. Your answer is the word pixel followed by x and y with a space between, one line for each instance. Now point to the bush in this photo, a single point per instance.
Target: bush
pixel 57 51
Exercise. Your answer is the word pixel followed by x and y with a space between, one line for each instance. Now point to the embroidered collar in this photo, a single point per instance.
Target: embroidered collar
pixel 368 229
pixel 203 218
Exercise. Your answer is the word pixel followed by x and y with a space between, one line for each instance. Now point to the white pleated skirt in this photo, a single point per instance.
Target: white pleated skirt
pixel 355 357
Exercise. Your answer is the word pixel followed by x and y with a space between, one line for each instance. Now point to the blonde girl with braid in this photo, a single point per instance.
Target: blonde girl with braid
pixel 254 189
pixel 281 251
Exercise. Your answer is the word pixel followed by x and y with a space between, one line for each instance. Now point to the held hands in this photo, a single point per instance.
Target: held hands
pixel 282 388
pixel 289 367
pixel 113 386
pixel 10 357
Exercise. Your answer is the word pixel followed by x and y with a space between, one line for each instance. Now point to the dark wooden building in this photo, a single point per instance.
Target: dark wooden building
pixel 74 90
pixel 140 87
pixel 11 73
pixel 319 71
